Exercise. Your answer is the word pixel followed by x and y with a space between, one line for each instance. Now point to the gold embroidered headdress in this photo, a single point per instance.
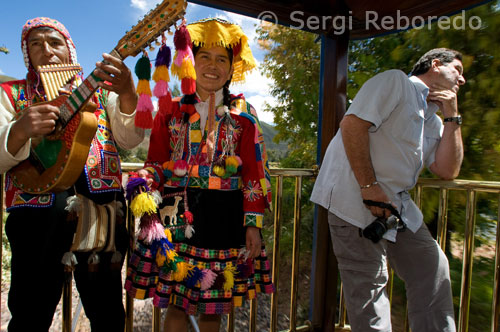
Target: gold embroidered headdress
pixel 213 32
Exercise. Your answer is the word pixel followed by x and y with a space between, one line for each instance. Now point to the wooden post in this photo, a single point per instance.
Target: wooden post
pixel 332 108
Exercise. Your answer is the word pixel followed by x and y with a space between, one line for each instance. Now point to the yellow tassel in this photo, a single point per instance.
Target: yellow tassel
pixel 232 161
pixel 161 74
pixel 143 203
pixel 175 70
pixel 187 69
pixel 229 272
pixel 143 88
pixel 219 170
pixel 160 259
pixel 183 269
pixel 168 234
pixel 171 254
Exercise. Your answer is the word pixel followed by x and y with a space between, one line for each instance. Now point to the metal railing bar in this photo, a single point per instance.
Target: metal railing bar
pixel 230 320
pixel 442 217
pixel 342 309
pixel 295 254
pixel 495 315
pixel 253 315
pixel 463 318
pixel 478 186
pixel 276 252
pixel 156 321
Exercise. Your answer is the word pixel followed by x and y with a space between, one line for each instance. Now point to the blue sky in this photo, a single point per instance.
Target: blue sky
pixel 96 26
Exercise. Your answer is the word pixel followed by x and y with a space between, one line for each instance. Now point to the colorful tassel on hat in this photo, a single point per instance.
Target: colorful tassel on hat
pixel 161 77
pixel 144 113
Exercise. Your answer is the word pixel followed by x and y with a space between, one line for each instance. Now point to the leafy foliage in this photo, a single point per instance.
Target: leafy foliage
pixel 292 61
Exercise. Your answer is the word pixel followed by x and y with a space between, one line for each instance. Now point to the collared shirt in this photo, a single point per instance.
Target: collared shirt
pixel 202 107
pixel 404 136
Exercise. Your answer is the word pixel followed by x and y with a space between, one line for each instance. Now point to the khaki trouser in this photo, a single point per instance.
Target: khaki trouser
pixel 418 261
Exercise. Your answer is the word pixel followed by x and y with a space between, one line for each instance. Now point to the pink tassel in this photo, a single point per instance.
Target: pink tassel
pixel 161 89
pixel 151 229
pixel 208 279
pixel 181 54
pixel 156 232
pixel 144 103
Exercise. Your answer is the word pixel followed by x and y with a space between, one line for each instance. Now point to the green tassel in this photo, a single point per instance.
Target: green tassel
pixel 143 68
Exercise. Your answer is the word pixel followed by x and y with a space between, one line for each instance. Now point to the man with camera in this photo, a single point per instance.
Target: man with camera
pixel 390 132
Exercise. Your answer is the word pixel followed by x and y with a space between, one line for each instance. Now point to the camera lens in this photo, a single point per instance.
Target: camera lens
pixel 375 230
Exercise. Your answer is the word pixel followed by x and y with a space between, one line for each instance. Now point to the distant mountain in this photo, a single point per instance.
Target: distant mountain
pixel 275 151
pixel 5 78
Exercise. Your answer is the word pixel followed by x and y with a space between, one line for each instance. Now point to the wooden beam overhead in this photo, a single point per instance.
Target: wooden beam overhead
pixel 356 11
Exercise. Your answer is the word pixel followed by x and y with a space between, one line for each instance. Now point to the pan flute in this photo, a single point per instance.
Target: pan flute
pixel 55 77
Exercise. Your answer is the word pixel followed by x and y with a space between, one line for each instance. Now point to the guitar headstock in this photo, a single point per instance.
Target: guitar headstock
pixel 151 27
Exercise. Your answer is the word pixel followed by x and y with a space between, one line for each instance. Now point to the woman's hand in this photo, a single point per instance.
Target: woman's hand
pixel 253 242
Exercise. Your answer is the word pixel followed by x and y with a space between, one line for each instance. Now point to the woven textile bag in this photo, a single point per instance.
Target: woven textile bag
pixel 95 230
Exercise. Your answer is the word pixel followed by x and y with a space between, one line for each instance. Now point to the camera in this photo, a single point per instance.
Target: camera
pixel 376 230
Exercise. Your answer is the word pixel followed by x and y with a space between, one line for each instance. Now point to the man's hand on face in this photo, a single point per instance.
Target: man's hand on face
pixel 445 98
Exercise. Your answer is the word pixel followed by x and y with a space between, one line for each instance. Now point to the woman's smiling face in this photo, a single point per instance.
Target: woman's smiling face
pixel 213 69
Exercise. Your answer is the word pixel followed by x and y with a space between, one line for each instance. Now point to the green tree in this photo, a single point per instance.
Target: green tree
pixel 292 61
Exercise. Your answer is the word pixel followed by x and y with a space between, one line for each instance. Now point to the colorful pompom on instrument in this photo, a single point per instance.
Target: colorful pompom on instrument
pixel 183 66
pixel 161 77
pixel 144 112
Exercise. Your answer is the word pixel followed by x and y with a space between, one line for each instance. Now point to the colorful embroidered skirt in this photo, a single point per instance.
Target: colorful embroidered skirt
pixel 214 249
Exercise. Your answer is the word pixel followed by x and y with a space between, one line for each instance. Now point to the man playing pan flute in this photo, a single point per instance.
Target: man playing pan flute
pixel 39 228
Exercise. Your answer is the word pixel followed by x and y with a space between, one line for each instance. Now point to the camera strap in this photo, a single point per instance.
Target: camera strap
pixel 390 207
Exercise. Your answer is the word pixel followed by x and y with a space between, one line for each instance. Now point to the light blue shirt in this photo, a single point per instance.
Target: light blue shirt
pixel 404 137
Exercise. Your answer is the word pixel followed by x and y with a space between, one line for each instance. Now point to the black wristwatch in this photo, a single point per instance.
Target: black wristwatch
pixel 456 119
